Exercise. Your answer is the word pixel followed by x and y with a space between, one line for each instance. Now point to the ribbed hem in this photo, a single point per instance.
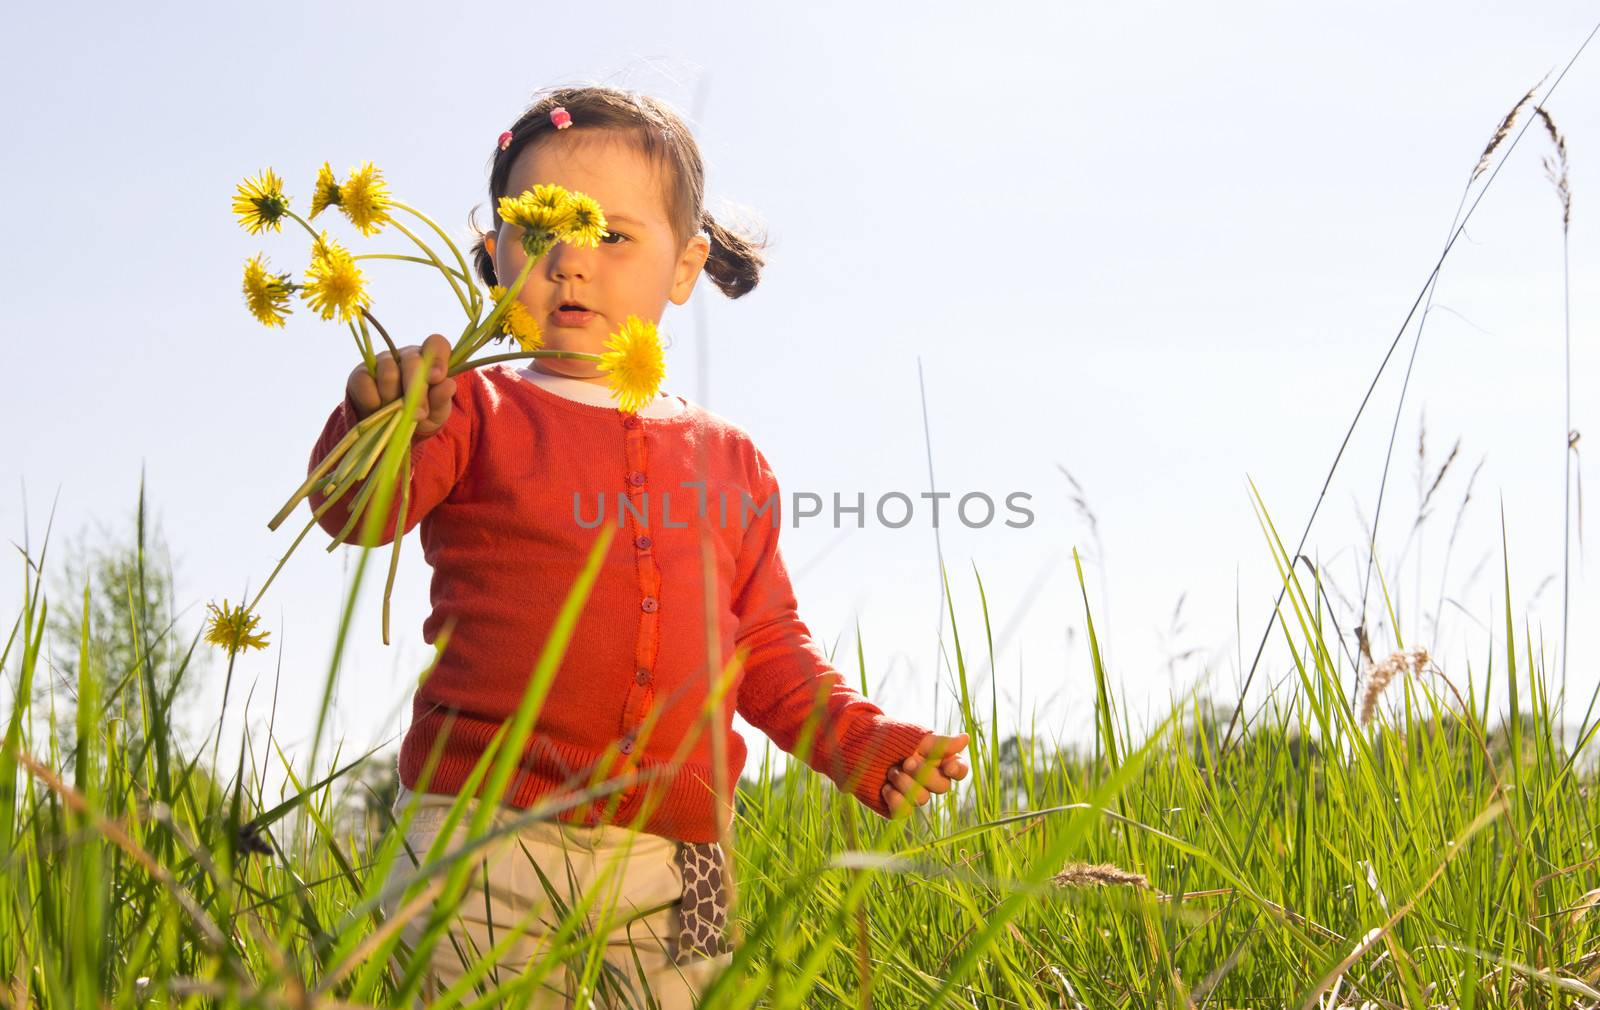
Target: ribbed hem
pixel 683 796
pixel 869 749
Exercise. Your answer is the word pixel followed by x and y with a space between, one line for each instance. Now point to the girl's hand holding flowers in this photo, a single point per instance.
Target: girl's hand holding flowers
pixel 368 392
pixel 930 769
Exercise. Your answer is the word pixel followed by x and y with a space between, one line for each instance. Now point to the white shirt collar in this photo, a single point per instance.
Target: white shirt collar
pixel 664 405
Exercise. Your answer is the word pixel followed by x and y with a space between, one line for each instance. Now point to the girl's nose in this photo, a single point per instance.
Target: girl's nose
pixel 567 262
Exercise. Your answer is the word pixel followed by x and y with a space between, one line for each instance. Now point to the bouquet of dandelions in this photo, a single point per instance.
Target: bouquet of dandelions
pixel 373 458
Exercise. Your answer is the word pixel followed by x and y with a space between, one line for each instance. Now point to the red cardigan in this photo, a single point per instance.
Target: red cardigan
pixel 504 492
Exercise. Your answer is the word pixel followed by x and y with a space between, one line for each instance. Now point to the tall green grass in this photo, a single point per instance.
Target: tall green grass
pixel 1438 856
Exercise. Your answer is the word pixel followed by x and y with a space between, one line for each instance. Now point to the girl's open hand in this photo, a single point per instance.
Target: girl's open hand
pixel 929 770
pixel 367 396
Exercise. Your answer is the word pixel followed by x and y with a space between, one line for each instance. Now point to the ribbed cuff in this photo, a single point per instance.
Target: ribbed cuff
pixel 347 410
pixel 870 748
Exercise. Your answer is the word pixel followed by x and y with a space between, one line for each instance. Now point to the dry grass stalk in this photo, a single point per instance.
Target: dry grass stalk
pixel 1438 479
pixel 1583 906
pixel 1364 644
pixel 1557 178
pixel 1098 875
pixel 1502 131
pixel 1384 673
pixel 1080 501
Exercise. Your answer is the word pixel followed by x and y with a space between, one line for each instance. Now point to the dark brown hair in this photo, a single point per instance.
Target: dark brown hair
pixel 662 136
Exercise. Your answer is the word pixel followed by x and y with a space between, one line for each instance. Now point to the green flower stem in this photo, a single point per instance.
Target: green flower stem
pixel 367 454
pixel 364 347
pixel 367 316
pixel 408 259
pixel 337 453
pixel 475 338
pixel 359 460
pixel 317 515
pixel 279 567
pixel 399 530
pixel 344 477
pixel 357 508
pixel 461 260
pixel 370 481
pixel 360 348
pixel 305 224
pixel 445 271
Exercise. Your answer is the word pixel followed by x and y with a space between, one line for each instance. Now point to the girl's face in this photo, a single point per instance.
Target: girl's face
pixel 637 268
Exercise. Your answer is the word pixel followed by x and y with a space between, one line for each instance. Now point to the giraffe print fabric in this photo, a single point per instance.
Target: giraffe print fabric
pixel 703 909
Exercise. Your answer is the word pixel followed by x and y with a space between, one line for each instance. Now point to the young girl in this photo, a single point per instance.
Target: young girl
pixel 510 465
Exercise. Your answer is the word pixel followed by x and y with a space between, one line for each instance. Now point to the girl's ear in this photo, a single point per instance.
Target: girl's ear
pixel 690 263
pixel 488 243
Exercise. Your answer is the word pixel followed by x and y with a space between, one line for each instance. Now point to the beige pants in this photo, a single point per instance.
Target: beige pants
pixel 633 875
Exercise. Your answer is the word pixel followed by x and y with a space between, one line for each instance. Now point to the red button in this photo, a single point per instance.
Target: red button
pixel 649 604
pixel 631 421
pixel 625 745
pixel 643 543
pixel 636 478
pixel 641 676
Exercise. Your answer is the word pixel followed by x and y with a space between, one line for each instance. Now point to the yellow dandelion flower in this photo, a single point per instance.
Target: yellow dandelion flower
pixel 365 199
pixel 518 322
pixel 326 192
pixel 233 628
pixel 588 225
pixel 548 196
pixel 544 208
pixel 322 243
pixel 267 294
pixel 634 360
pixel 334 282
pixel 260 203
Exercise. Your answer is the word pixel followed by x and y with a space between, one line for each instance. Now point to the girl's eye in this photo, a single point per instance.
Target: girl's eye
pixel 611 235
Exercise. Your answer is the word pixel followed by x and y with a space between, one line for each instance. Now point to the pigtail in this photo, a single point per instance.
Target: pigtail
pixel 734 264
pixel 481 260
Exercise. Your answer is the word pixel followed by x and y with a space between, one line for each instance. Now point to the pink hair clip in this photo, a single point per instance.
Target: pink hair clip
pixel 505 140
pixel 560 117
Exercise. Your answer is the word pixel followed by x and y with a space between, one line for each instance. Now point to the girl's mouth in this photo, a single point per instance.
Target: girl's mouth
pixel 572 317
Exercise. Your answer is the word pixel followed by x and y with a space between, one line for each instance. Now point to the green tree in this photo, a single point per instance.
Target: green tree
pixel 135 651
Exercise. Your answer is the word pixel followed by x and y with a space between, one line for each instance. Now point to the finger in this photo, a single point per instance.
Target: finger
pixel 410 361
pixel 909 787
pixel 939 747
pixel 439 396
pixel 893 800
pixel 954 768
pixel 432 416
pixel 932 777
pixel 388 377
pixel 928 775
pixel 363 391
pixel 955 744
pixel 439 356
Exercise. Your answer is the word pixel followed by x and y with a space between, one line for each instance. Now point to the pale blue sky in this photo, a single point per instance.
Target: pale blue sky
pixel 1162 246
